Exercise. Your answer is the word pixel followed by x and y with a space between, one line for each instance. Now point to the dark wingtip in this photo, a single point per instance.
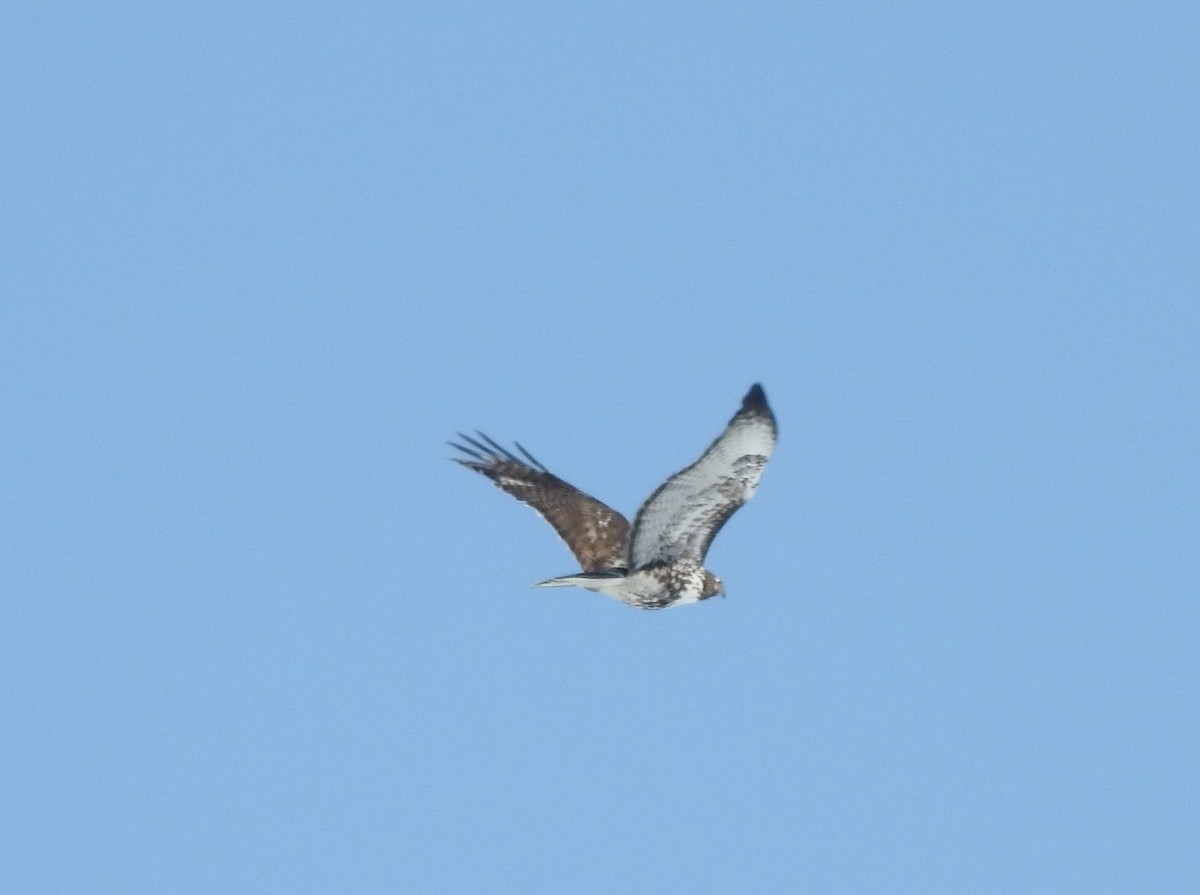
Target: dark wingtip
pixel 471 460
pixel 756 398
pixel 534 462
pixel 755 405
pixel 485 452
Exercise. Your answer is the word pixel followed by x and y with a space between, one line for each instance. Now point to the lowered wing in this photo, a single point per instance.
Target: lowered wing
pixel 597 534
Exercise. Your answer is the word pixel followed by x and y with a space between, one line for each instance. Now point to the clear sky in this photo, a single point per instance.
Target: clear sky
pixel 259 262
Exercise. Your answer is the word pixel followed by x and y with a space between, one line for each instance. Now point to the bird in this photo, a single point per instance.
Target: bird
pixel 658 561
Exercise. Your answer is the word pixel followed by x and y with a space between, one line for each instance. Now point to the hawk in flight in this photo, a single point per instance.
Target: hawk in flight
pixel 657 562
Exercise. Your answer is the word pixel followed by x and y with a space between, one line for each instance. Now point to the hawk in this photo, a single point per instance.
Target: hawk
pixel 657 562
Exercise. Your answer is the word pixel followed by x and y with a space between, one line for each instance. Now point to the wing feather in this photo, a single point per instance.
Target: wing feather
pixel 595 533
pixel 681 518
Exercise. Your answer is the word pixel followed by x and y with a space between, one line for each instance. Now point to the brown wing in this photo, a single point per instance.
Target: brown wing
pixel 597 534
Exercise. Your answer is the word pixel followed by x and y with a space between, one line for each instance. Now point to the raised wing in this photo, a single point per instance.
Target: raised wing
pixel 681 518
pixel 597 534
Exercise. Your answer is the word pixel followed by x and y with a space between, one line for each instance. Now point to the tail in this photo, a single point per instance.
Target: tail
pixel 588 580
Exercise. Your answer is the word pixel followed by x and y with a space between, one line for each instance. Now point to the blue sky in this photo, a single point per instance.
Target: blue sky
pixel 259 264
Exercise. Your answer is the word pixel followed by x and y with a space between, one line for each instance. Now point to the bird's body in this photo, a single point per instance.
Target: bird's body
pixel 658 561
pixel 653 587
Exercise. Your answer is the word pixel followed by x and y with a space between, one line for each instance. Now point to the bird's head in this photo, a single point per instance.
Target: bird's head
pixel 712 586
